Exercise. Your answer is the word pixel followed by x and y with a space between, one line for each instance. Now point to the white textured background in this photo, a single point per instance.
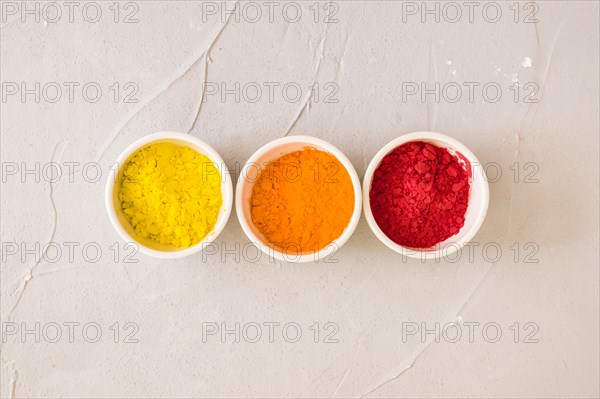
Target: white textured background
pixel 371 293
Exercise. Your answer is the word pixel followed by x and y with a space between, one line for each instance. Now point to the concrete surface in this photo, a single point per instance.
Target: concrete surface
pixel 85 320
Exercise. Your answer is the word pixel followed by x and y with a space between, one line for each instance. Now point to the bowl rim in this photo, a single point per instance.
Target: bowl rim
pixel 226 192
pixel 336 244
pixel 477 173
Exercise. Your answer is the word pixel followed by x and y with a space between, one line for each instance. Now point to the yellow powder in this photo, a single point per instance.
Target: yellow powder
pixel 171 194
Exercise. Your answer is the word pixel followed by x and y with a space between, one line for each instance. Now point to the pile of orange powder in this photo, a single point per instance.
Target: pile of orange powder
pixel 302 201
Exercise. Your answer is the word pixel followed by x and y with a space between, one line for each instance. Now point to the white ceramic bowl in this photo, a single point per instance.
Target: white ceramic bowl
pixel 124 227
pixel 249 174
pixel 478 196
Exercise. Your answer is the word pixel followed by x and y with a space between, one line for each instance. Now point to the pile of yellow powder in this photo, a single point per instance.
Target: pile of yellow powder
pixel 171 194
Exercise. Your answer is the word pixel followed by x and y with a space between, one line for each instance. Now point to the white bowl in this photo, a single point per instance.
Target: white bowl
pixel 476 208
pixel 124 227
pixel 252 168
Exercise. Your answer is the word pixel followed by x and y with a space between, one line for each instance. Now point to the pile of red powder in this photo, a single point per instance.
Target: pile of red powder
pixel 419 195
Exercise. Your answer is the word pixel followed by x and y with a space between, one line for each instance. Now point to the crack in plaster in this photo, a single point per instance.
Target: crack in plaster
pixel 490 268
pixel 207 59
pixel 306 103
pixel 28 275
pixel 340 61
pixel 12 382
pixel 347 370
pixel 161 91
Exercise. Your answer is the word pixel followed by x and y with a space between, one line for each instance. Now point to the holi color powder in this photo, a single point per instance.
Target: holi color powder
pixel 170 194
pixel 302 201
pixel 419 195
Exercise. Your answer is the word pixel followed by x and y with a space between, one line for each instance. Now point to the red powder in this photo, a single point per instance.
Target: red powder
pixel 419 195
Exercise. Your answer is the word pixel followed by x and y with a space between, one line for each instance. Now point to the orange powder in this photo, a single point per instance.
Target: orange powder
pixel 302 201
